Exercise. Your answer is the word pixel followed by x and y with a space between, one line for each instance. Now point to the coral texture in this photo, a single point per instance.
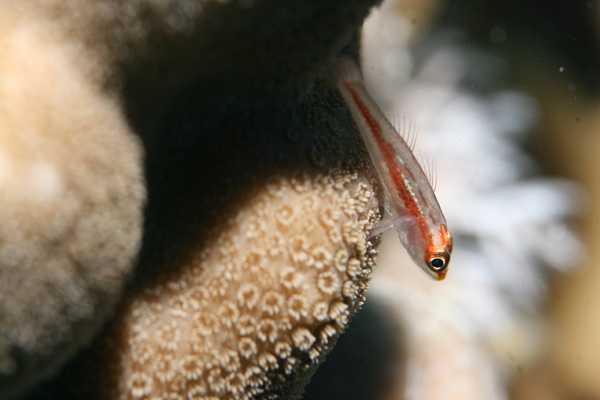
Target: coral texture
pixel 71 198
pixel 259 280
pixel 254 253
pixel 254 313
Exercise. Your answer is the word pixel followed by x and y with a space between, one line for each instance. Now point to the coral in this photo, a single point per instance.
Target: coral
pixel 71 197
pixel 251 306
pixel 254 253
pixel 266 331
pixel 469 337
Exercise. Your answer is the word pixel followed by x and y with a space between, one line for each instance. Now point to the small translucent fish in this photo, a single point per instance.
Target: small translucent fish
pixel 415 212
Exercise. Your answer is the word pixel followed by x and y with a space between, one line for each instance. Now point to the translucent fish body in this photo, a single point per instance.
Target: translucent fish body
pixel 415 212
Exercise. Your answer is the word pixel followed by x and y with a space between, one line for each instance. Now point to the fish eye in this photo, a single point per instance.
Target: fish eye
pixel 438 263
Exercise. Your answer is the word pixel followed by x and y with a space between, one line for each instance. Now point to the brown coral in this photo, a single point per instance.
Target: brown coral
pixel 259 197
pixel 250 307
pixel 289 331
pixel 280 328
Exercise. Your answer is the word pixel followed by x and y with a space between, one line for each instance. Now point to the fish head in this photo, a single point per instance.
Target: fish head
pixel 430 249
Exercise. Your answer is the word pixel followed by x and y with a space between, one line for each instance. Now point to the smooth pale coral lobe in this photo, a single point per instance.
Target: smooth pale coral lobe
pixel 71 201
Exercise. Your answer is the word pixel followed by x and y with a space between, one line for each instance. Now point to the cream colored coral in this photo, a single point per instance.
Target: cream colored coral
pixel 246 278
pixel 236 115
pixel 257 318
pixel 71 199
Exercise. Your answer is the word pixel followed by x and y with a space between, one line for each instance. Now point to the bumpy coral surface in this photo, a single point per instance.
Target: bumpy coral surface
pixel 257 311
pixel 254 254
pixel 254 260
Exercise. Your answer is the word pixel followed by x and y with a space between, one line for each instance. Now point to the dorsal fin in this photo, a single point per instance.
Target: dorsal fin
pixel 406 127
pixel 427 163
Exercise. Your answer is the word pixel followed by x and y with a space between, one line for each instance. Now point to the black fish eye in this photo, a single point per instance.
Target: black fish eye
pixel 437 263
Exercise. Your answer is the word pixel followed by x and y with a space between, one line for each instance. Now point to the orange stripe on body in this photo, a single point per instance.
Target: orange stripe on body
pixel 389 155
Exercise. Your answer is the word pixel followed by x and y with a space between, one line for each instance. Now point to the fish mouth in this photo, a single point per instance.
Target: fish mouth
pixel 440 276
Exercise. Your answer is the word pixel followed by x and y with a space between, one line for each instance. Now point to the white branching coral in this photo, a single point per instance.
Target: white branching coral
pixel 459 337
